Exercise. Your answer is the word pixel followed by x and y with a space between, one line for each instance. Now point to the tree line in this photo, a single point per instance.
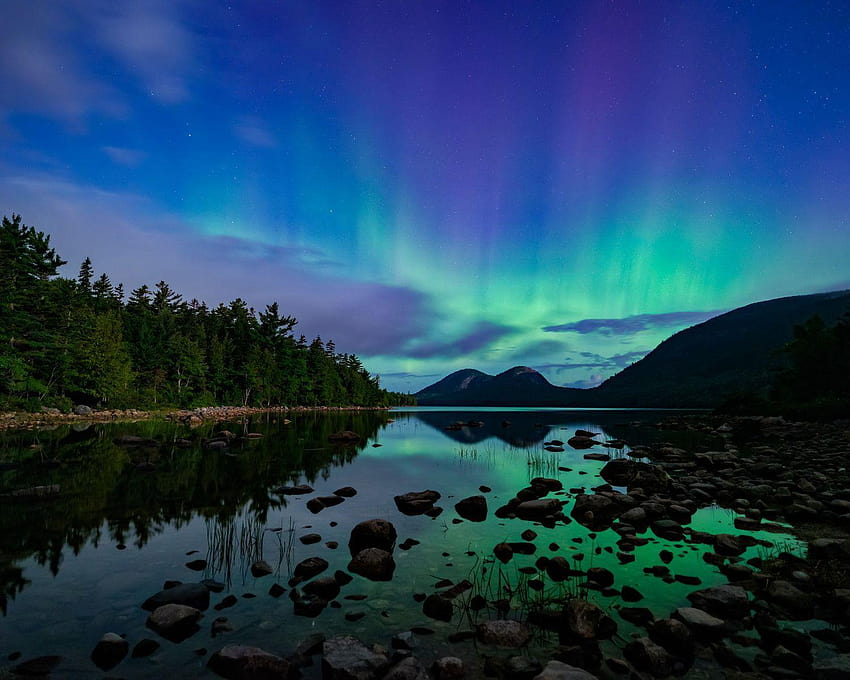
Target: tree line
pixel 69 341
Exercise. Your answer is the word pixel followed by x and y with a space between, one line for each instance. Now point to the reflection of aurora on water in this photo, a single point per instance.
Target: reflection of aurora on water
pixel 221 509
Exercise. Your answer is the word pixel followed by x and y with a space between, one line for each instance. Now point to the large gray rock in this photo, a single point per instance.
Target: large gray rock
pixel 174 622
pixel 557 670
pixel 82 410
pixel 726 601
pixel 346 658
pixel 794 602
pixel 194 595
pixel 702 624
pixel 410 668
pixel 586 621
pixel 448 668
pixel 373 533
pixel 240 662
pixel 503 633
pixel 109 651
pixel 647 656
pixel 374 564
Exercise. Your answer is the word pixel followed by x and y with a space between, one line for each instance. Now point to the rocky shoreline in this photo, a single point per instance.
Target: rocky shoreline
pixel 766 621
pixel 23 420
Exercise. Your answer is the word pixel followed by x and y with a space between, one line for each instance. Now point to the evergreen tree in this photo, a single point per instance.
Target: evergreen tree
pixel 65 340
pixel 85 276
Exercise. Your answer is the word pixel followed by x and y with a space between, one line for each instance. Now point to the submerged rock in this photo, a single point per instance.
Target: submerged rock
pixel 174 622
pixel 241 662
pixel 108 653
pixel 374 564
pixel 347 658
pixel 190 594
pixel 558 670
pixel 503 633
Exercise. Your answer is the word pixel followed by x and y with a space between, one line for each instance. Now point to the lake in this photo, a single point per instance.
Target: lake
pixel 127 518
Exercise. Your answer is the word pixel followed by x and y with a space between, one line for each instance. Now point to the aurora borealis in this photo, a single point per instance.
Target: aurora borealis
pixel 440 185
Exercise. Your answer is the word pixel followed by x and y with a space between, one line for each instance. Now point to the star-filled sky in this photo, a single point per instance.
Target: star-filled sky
pixel 440 185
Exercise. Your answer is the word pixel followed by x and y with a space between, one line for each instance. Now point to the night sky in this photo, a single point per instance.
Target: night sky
pixel 440 185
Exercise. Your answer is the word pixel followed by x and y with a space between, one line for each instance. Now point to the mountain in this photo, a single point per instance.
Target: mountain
pixel 701 366
pixel 736 352
pixel 517 386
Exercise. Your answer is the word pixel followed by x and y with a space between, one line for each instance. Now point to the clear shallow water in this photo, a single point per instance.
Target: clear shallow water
pixel 67 581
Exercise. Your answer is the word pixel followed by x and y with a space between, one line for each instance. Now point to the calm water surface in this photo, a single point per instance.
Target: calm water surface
pixel 79 565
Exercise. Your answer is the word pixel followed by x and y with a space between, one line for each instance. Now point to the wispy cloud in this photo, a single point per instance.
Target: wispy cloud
pixel 632 324
pixel 482 334
pixel 53 54
pixel 129 157
pixel 151 42
pixel 135 243
pixel 253 131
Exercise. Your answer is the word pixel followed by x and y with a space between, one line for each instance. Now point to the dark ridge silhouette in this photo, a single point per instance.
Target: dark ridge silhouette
pixel 701 366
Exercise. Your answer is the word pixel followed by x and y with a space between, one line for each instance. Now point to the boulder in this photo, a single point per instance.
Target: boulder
pixel 108 652
pixel 647 656
pixel 438 607
pixel 448 668
pixel 326 588
pixel 726 601
pixel 728 545
pixel 82 410
pixel 702 624
pixel 794 602
pixel 346 658
pixel 473 508
pixel 374 564
pixel 416 502
pixel 373 533
pixel 538 508
pixel 674 636
pixel 503 633
pixel 190 594
pixel 241 662
pixel 557 670
pixel 310 567
pixel 584 620
pixel 175 622
pixel 409 668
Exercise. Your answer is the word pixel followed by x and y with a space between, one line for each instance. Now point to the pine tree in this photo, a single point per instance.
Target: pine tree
pixel 85 276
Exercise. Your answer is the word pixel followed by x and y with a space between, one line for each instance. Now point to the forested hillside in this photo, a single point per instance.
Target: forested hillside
pixel 67 341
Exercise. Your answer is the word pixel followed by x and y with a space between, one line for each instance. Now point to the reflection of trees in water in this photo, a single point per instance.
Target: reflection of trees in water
pixel 235 543
pixel 105 498
pixel 525 428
